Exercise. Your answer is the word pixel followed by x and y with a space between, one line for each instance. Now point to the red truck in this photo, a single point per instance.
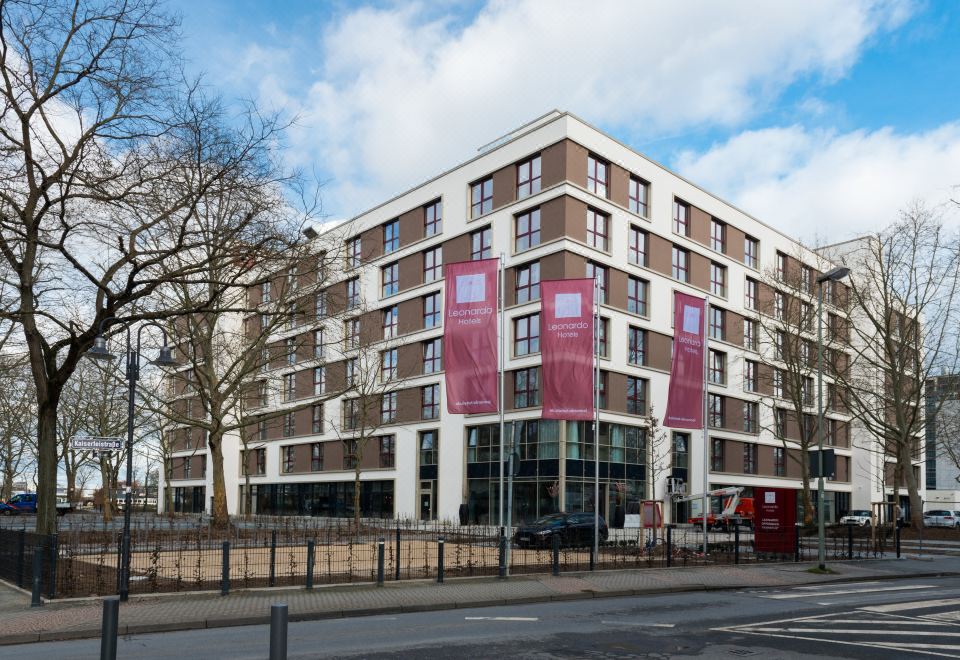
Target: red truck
pixel 736 510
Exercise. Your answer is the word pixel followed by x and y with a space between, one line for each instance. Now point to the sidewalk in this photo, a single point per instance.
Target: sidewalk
pixel 159 613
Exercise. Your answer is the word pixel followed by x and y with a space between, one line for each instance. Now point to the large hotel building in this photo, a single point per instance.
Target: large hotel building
pixel 557 199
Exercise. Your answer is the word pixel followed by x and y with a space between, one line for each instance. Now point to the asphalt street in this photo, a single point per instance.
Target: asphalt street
pixel 914 618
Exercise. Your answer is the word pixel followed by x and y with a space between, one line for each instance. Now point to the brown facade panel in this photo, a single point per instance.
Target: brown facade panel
pixel 411 226
pixel 553 219
pixel 765 460
pixel 410 316
pixel 410 360
pixel 371 327
pixel 553 164
pixel 699 271
pixel 734 329
pixel 336 376
pixel 659 350
pixel 660 255
pixel 735 239
pixel 371 243
pixel 575 219
pixel 576 164
pixel 411 271
pixel 457 249
pixel 733 414
pixel 733 456
pixel 617 292
pixel 699 225
pixel 504 186
pixel 370 454
pixel 619 185
pixel 616 392
pixel 408 405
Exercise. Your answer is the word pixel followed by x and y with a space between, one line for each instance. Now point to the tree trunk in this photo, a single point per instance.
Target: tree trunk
pixel 71 483
pixel 47 467
pixel 356 495
pixel 806 494
pixel 6 491
pixel 167 489
pixel 107 489
pixel 916 505
pixel 221 516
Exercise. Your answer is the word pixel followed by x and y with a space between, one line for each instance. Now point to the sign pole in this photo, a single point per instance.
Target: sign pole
pixel 706 441
pixel 503 397
pixel 596 419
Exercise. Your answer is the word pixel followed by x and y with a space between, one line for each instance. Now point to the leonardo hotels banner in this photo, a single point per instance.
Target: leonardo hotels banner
pixel 470 336
pixel 566 344
pixel 685 395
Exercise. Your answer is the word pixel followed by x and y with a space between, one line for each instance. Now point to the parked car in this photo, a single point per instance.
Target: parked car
pixel 940 518
pixel 859 517
pixel 27 503
pixel 572 528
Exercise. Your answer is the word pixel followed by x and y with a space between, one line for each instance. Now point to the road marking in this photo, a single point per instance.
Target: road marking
pixel 886 622
pixel 849 591
pixel 913 605
pixel 830 586
pixel 846 631
pixel 501 618
pixel 640 623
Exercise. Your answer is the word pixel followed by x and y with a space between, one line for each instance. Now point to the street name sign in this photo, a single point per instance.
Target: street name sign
pixel 96 444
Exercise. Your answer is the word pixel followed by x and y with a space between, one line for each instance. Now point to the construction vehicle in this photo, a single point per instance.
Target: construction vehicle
pixel 736 511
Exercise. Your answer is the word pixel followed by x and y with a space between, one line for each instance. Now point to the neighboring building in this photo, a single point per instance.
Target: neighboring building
pixel 558 199
pixel 943 440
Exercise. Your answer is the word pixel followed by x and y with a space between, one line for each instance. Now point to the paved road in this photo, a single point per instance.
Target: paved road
pixel 915 618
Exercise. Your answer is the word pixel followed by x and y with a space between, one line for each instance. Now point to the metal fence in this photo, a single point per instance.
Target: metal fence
pixel 82 561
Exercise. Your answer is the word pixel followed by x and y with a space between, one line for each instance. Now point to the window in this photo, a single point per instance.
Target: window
pixel 749 376
pixel 597 229
pixel 320 304
pixel 316 457
pixel 388 364
pixel 351 333
pixel 289 425
pixel 431 310
pixel 292 280
pixel 831 431
pixel 391 236
pixel 637 340
pixel 319 380
pixel 749 458
pixel 261 458
pixel 779 303
pixel 265 292
pixel 751 252
pixel 681 453
pixel 353 252
pixel 751 334
pixel 636 396
pixel 718 323
pixel 432 219
pixel 316 418
pixel 388 408
pixel 598 273
pixel 715 410
pixel 806 316
pixel 681 261
pixel 718 235
pixel 353 293
pixel 388 450
pixel 262 393
pixel 718 280
pixel 716 454
pixel 527 230
pixel 781 266
pixel 778 383
pixel 751 412
pixel 717 370
pixel 603 327
pixel 779 345
pixel 637 196
pixel 290 345
pixel 526 335
pixel 637 296
pixel 318 345
pixel 187 466
pixel 681 218
pixel 528 177
pixel 526 390
pixel 432 264
pixel 428 447
pixel 807 391
pixel 432 356
pixel 351 454
pixel 290 314
pixel 390 276
pixel 481 197
pixel 602 389
pixel 750 293
pixel 637 249
pixel 430 402
pixel 391 317
pixel 289 387
pixel 289 458
pixel 806 278
pixel 352 371
pixel 779 462
pixel 780 422
pixel 828 291
pixel 351 412
pixel 528 282
pixel 481 244
pixel 596 176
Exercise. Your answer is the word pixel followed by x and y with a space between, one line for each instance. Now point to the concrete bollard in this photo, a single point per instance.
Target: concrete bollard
pixel 108 629
pixel 736 544
pixel 311 557
pixel 278 631
pixel 440 545
pixel 502 568
pixel 555 541
pixel 225 570
pixel 37 584
pixel 396 575
pixel 380 562
pixel 669 546
pixel 273 558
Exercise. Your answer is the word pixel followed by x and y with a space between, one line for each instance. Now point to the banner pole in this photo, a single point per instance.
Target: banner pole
pixel 596 419
pixel 706 441
pixel 500 277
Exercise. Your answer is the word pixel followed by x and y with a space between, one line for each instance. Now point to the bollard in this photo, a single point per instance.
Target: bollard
pixel 736 544
pixel 555 540
pixel 380 562
pixel 897 536
pixel 440 544
pixel 21 556
pixel 273 558
pixel 593 560
pixel 849 541
pixel 669 546
pixel 37 577
pixel 225 570
pixel 796 543
pixel 311 555
pixel 108 629
pixel 396 575
pixel 52 585
pixel 502 572
pixel 278 631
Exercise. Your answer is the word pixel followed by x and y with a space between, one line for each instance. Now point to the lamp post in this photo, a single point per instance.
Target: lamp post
pixel 832 276
pixel 99 351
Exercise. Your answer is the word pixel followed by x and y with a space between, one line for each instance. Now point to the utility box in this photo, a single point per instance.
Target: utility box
pixel 829 463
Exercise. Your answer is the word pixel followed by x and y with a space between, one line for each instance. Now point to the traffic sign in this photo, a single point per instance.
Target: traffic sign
pixel 96 444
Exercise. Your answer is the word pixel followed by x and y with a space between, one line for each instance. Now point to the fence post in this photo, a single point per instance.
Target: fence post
pixel 380 562
pixel 669 546
pixel 796 542
pixel 52 587
pixel 897 536
pixel 21 556
pixel 37 577
pixel 440 546
pixel 849 541
pixel 593 559
pixel 225 570
pixel 311 555
pixel 555 541
pixel 396 575
pixel 273 558
pixel 502 573
pixel 278 631
pixel 119 558
pixel 736 543
pixel 108 629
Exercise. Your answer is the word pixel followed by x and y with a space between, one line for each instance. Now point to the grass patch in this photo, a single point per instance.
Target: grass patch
pixel 816 570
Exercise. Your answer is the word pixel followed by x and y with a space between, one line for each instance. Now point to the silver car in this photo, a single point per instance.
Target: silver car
pixel 940 518
pixel 859 517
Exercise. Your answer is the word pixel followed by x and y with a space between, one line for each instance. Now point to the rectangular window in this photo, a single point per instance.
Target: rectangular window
pixel 526 388
pixel 715 410
pixel 291 349
pixel 527 230
pixel 388 451
pixel 320 304
pixel 351 412
pixel 807 391
pixel 749 458
pixel 289 458
pixel 316 457
pixel 718 280
pixel 390 276
pixel 779 422
pixel 431 311
pixel 289 425
pixel 718 235
pixel 637 296
pixel 432 264
pixel 352 371
pixel 351 455
pixel 481 244
pixel 388 365
pixel 430 402
pixel 316 418
pixel 831 431
pixel 637 196
pixel 716 454
pixel 599 274
pixel 779 345
pixel 481 197
pixel 319 380
pixel 261 458
pixel 749 376
pixel 637 248
pixel 262 395
pixel 528 177
pixel 388 408
pixel 779 304
pixel 637 339
pixel 781 266
pixel 318 345
pixel 750 293
pixel 353 293
pixel 779 462
pixel 604 327
pixel 751 411
pixel 778 383
pixel 751 334
pixel 265 292
pixel 289 387
pixel 391 236
pixel 292 280
pixel 718 323
pixel 602 389
pixel 717 370
pixel 354 250
pixel 528 282
pixel 351 333
pixel 681 218
pixel 681 264
pixel 526 335
pixel 596 176
pixel 432 356
pixel 432 219
pixel 391 319
pixel 597 229
pixel 751 252
pixel 806 278
pixel 636 396
pixel 187 466
pixel 428 447
pixel 290 314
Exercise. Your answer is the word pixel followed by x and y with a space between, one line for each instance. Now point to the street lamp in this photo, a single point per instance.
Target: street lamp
pixel 837 273
pixel 99 351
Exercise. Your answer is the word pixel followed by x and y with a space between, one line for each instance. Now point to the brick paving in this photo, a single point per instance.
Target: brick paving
pixel 82 617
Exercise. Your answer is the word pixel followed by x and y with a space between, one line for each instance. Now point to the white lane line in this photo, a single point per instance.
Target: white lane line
pixel 913 646
pixel 887 622
pixel 913 605
pixel 832 586
pixel 640 623
pixel 501 618
pixel 851 631
pixel 849 591
pixel 867 644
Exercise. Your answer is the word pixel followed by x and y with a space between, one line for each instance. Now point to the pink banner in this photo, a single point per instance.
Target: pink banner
pixel 470 336
pixel 566 344
pixel 685 395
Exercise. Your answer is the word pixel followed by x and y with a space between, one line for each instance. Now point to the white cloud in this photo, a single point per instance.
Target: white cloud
pixel 401 94
pixel 829 184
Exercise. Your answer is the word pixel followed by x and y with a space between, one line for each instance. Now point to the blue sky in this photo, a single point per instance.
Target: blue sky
pixel 822 118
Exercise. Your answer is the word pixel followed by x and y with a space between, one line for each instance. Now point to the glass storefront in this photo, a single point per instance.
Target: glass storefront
pixel 189 499
pixel 333 499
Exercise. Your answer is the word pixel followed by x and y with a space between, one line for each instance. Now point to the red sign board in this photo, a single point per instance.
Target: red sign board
pixel 775 511
pixel 685 393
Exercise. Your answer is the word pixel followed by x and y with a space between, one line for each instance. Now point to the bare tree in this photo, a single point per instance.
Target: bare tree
pixel 16 422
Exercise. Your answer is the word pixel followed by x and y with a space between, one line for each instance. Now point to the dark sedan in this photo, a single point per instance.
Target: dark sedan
pixel 572 528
